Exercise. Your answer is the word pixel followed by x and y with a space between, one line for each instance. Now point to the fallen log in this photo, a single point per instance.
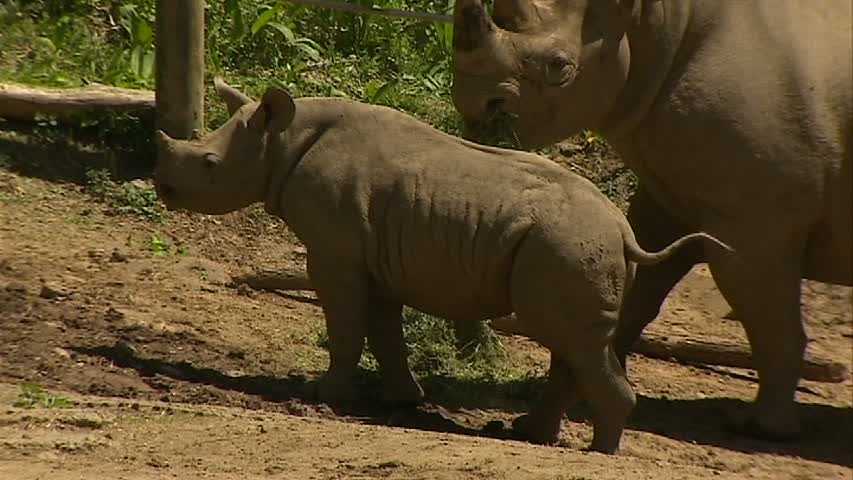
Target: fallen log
pixel 729 354
pixel 682 349
pixel 18 102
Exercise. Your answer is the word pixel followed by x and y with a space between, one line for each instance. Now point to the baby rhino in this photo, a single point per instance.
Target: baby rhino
pixel 393 212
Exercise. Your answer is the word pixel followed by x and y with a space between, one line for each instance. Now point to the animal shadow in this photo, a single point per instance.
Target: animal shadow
pixel 828 430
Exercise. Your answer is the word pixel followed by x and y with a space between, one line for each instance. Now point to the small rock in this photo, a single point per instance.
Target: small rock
pixel 97 254
pixel 62 352
pixel 113 315
pixel 52 291
pixel 245 290
pixel 118 256
pixel 124 350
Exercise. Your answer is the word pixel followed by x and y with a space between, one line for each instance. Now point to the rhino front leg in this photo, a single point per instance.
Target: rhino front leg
pixel 761 281
pixel 385 337
pixel 343 294
pixel 654 229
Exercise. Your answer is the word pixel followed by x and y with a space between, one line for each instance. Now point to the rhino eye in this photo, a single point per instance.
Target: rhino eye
pixel 210 160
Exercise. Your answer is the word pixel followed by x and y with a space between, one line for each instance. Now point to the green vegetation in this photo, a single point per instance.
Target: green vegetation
pixel 252 43
pixel 127 198
pixel 34 396
pixel 452 370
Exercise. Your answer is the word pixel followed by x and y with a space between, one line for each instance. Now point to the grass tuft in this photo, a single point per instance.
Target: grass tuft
pixel 34 396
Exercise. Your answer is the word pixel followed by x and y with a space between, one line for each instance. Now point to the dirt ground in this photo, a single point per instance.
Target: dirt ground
pixel 175 373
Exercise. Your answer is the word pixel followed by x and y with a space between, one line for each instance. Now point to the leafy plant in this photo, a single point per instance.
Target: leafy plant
pixel 140 31
pixel 132 198
pixel 158 246
pixel 34 396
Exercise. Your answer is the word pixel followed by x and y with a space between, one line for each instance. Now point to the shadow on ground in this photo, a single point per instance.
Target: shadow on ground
pixel 64 153
pixel 826 436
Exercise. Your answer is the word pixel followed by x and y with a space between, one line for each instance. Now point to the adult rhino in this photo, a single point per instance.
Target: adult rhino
pixel 735 116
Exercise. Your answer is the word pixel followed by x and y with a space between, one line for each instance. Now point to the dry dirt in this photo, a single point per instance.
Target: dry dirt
pixel 177 374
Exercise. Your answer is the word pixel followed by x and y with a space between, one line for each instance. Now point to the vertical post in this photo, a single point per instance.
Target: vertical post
pixel 180 67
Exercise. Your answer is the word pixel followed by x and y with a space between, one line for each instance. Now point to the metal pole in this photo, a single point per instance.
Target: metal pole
pixel 180 67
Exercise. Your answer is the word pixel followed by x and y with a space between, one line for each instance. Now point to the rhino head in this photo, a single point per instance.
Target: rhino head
pixel 554 66
pixel 228 168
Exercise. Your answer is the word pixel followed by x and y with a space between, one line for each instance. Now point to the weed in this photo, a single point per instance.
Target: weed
pixel 158 246
pixel 33 396
pixel 127 198
pixel 434 349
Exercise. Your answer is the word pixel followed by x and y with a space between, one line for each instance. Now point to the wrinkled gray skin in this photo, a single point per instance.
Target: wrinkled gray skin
pixel 394 212
pixel 735 116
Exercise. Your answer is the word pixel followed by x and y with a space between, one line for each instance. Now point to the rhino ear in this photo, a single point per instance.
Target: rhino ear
pixel 275 112
pixel 232 97
pixel 471 24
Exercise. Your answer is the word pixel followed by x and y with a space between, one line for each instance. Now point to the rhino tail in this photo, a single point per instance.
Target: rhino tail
pixel 635 253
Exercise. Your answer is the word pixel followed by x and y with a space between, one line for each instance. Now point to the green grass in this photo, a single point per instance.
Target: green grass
pixel 34 396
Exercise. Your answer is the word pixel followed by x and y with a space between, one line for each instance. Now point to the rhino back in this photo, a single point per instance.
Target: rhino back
pixel 427 209
pixel 749 102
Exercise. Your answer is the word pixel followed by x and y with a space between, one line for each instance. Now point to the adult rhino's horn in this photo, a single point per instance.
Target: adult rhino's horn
pixel 472 25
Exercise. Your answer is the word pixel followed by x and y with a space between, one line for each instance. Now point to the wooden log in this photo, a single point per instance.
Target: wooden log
pixel 18 102
pixel 729 354
pixel 180 67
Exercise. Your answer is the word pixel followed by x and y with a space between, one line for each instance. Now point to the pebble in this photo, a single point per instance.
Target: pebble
pixel 52 291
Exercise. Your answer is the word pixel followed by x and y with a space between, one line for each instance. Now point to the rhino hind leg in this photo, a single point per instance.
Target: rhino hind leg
pixel 603 384
pixel 765 292
pixel 385 338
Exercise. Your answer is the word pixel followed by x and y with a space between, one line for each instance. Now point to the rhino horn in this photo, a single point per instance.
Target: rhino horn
pixel 472 25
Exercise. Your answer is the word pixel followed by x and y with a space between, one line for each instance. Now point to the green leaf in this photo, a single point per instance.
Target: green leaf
pixel 142 32
pixel 148 64
pixel 264 18
pixel 232 9
pixel 376 91
pixel 136 60
pixel 284 30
